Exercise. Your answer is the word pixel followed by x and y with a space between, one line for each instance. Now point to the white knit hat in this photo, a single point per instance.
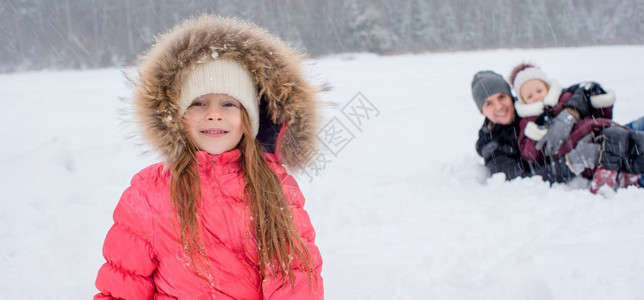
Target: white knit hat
pixel 528 74
pixel 222 76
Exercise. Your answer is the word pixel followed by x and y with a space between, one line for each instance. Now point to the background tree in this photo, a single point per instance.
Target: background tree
pixel 79 34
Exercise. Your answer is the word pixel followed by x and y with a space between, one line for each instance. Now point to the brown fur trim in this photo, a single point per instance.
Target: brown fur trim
pixel 274 65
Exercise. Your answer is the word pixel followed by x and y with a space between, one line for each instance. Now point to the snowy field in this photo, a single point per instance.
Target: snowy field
pixel 404 211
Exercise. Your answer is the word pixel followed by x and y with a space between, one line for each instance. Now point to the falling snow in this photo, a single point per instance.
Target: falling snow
pixel 405 211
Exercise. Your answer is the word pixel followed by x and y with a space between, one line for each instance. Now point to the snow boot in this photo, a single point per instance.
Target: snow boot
pixel 603 177
pixel 628 179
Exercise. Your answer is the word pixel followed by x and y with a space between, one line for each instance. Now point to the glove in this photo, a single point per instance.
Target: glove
pixel 558 131
pixel 584 156
pixel 489 149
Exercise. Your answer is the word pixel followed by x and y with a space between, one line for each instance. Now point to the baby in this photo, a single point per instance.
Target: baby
pixel 574 123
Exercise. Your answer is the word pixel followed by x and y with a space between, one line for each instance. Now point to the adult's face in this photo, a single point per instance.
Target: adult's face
pixel 499 109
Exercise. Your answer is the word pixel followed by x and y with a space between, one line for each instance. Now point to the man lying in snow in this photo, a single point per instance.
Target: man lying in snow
pixel 498 136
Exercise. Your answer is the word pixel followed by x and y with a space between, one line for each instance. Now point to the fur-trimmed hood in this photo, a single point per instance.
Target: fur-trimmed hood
pixel 289 107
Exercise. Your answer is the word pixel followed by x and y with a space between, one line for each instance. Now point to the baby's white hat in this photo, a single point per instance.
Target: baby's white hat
pixel 222 76
pixel 528 74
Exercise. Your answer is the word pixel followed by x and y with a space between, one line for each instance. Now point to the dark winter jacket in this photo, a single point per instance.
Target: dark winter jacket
pixel 499 148
pixel 595 107
pixel 622 149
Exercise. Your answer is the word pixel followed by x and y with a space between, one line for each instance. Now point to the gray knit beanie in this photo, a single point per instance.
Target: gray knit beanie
pixel 486 84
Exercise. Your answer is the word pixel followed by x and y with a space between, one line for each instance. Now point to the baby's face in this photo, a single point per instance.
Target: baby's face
pixel 533 90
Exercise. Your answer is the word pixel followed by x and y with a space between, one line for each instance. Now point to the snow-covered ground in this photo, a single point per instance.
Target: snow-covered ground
pixel 405 210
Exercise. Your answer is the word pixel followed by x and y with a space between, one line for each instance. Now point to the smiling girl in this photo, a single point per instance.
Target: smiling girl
pixel 227 106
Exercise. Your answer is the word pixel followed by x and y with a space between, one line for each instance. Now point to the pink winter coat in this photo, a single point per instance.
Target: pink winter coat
pixel 145 259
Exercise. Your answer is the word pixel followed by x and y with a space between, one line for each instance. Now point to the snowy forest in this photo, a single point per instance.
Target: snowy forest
pixel 407 210
pixel 81 34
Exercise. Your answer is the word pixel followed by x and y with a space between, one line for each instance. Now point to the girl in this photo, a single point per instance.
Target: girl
pixel 226 104
pixel 575 123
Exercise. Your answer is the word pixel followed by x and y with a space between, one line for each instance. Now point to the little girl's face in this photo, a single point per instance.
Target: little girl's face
pixel 533 90
pixel 213 123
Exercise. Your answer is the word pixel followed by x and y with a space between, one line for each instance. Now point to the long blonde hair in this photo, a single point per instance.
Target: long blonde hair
pixel 278 240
